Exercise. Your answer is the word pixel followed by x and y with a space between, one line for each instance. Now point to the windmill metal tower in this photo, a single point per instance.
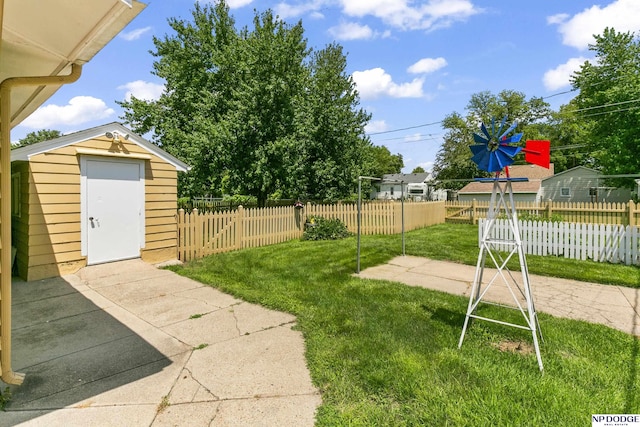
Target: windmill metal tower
pixel 493 153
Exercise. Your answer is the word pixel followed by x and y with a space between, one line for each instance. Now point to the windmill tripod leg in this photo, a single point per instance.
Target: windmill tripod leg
pixel 474 297
pixel 503 198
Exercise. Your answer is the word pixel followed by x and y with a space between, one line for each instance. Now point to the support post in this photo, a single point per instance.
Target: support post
pixel 6 373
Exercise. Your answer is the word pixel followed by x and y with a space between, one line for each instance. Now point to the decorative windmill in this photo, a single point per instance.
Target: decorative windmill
pixel 493 152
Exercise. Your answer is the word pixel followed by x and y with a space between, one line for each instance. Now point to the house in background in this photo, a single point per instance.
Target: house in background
pixel 414 186
pixel 582 184
pixel 99 195
pixel 529 191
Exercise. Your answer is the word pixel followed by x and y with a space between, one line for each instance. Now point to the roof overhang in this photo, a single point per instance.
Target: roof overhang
pixel 43 38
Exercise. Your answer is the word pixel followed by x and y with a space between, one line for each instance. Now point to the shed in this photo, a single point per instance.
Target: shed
pixel 95 196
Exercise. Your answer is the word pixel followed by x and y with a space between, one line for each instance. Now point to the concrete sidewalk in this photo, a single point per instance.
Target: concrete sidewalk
pixel 615 306
pixel 127 344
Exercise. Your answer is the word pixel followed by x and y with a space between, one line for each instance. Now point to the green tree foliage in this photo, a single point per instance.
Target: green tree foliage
pixel 569 138
pixel 418 169
pixel 384 162
pixel 38 136
pixel 453 166
pixel 607 104
pixel 254 112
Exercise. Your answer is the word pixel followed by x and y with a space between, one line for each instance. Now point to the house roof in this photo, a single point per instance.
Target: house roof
pixel 533 172
pixel 43 38
pixel 407 178
pixel 24 153
pixel 577 168
pixel 486 187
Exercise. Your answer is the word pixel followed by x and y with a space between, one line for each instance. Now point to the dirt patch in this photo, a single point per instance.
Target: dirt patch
pixel 519 347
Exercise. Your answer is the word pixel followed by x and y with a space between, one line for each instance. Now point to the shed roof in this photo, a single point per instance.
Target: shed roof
pixel 24 153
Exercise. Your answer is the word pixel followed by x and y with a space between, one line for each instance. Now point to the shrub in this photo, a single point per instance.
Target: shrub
pixel 526 216
pixel 320 228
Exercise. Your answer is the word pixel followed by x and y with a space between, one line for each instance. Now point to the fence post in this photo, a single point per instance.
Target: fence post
pixel 473 212
pixel 239 226
pixel 549 209
pixel 197 233
pixel 632 213
pixel 180 235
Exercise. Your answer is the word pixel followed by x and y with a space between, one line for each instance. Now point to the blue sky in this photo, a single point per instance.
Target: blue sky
pixel 413 61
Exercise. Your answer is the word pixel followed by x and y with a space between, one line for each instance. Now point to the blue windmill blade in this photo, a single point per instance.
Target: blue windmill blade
pixel 478 148
pixel 479 139
pixel 484 130
pixel 482 159
pixel 493 126
pixel 509 150
pixel 502 123
pixel 511 139
pixel 506 132
pixel 503 159
pixel 479 157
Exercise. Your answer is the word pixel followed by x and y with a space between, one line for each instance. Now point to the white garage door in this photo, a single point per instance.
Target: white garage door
pixel 113 209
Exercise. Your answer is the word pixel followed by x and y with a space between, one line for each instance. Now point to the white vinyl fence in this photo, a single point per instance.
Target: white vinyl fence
pixel 597 242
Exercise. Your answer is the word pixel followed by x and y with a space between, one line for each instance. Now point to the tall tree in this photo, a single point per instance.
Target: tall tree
pixel 37 136
pixel 333 149
pixel 383 162
pixel 608 102
pixel 253 111
pixel 453 165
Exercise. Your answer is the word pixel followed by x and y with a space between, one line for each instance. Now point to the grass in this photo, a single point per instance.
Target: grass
pixel 386 354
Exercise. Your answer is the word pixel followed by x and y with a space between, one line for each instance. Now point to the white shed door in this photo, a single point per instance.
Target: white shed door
pixel 113 210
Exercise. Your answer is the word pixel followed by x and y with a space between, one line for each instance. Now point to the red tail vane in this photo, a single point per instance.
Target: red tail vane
pixel 537 153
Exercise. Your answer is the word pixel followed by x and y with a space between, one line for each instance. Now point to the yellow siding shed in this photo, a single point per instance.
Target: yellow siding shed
pixel 60 185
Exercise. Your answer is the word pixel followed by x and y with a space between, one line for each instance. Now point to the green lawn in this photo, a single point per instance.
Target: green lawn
pixel 386 354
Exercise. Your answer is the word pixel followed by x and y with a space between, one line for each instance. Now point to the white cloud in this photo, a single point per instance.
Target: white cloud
pixel 134 34
pixel 578 31
pixel 79 110
pixel 286 10
pixel 377 82
pixel 427 65
pixel 557 19
pixel 400 14
pixel 142 90
pixel 355 31
pixel 559 76
pixel 375 126
pixel 235 4
pixel 351 31
pixel 413 138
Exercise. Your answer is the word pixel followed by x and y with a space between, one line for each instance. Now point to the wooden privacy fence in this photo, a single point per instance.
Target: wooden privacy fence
pixel 596 242
pixel 587 213
pixel 201 234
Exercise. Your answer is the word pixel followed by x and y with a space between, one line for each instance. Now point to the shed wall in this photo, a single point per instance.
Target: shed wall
pixel 53 203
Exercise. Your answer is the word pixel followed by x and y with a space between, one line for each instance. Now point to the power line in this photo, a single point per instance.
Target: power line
pixel 407 128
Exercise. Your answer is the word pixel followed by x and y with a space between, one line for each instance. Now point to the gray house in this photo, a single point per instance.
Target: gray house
pixel 582 184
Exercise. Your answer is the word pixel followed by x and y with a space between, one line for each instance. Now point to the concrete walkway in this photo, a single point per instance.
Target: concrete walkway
pixel 615 306
pixel 127 344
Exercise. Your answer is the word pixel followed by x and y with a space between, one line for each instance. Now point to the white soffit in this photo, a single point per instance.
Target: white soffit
pixel 44 37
